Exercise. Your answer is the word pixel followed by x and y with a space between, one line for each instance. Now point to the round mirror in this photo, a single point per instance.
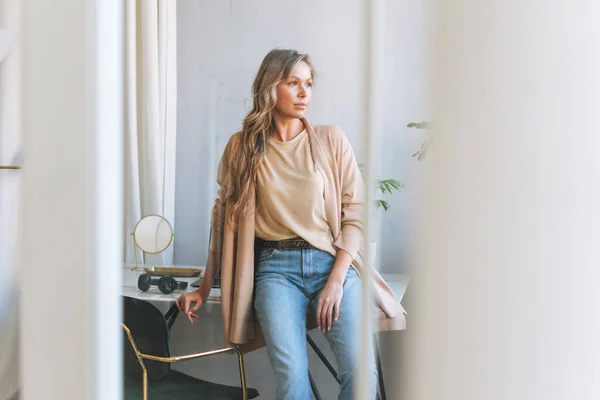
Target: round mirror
pixel 153 234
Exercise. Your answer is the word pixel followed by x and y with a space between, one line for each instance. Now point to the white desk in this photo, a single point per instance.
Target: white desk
pixel 154 295
pixel 398 283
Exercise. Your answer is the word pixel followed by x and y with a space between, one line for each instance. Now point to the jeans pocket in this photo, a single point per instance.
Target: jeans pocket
pixel 266 254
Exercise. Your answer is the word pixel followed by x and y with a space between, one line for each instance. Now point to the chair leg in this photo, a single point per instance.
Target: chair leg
pixel 380 393
pixel 313 386
pixel 379 370
pixel 323 358
pixel 171 315
pixel 140 361
pixel 145 387
pixel 242 374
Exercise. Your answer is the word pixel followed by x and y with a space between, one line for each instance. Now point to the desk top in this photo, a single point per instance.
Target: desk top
pixel 398 283
pixel 130 289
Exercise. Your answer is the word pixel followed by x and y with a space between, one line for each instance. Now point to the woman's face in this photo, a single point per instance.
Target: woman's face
pixel 295 92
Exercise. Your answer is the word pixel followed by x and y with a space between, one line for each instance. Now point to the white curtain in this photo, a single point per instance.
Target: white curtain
pixel 10 136
pixel 151 106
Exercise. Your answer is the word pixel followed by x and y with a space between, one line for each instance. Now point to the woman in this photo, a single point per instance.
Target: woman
pixel 286 234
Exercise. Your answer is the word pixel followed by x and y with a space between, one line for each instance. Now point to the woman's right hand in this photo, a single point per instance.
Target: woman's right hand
pixel 184 304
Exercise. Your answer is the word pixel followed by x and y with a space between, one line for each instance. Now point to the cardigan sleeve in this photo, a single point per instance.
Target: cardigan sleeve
pixel 217 217
pixel 352 191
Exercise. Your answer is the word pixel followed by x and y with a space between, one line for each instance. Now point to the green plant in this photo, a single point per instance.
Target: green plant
pixel 386 187
pixel 426 143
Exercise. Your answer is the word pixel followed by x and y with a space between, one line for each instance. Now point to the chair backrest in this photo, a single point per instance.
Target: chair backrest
pixel 151 334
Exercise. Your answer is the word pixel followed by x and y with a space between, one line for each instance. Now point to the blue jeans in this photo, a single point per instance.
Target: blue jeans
pixel 287 284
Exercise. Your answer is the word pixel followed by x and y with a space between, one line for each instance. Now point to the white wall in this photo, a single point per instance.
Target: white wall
pixel 221 45
pixel 406 73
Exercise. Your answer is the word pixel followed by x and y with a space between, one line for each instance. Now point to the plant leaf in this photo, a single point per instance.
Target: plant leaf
pixel 419 125
pixel 389 186
pixel 396 185
pixel 386 184
pixel 382 204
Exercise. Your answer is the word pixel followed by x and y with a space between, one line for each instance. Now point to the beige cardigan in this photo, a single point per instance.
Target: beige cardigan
pixel 344 192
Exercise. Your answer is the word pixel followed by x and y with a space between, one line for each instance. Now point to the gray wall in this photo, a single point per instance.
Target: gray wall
pixel 220 47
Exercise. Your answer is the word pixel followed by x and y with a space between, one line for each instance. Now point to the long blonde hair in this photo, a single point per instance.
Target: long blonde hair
pixel 248 152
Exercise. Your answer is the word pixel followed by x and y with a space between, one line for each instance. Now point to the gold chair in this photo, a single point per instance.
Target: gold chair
pixel 146 327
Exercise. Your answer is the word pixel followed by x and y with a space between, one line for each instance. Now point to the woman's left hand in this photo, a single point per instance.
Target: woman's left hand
pixel 328 307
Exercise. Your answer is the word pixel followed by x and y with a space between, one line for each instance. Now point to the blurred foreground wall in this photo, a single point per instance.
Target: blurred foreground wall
pixel 505 299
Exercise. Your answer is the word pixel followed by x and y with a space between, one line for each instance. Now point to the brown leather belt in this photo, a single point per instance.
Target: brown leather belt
pixel 295 243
